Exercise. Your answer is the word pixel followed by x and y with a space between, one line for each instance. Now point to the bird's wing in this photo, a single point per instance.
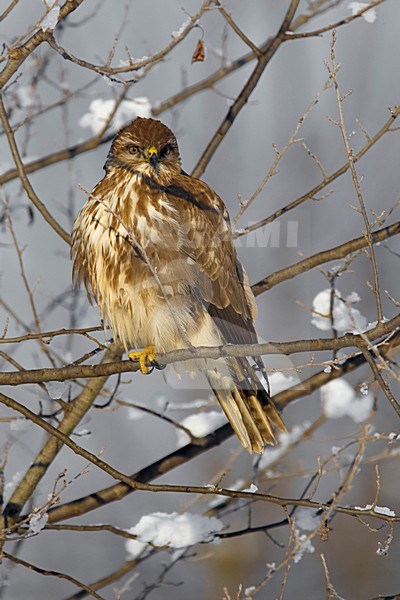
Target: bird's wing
pixel 222 284
pixel 223 289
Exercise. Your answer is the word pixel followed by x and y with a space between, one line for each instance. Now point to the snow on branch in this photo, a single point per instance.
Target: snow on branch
pixel 176 530
pixel 339 399
pixel 100 111
pixel 346 318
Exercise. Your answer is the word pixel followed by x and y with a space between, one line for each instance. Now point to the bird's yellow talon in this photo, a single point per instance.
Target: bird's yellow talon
pixel 145 357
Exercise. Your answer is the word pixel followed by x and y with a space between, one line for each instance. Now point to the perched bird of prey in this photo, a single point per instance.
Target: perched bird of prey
pixel 154 248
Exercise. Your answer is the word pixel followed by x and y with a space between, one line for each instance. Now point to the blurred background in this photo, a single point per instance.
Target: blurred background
pixel 369 55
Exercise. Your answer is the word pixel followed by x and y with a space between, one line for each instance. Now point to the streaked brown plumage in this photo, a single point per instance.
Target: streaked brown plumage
pixel 147 211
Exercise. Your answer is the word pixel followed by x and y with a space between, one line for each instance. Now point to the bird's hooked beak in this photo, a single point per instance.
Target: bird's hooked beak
pixel 152 156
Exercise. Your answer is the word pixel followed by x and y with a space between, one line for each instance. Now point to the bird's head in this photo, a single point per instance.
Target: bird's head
pixel 146 146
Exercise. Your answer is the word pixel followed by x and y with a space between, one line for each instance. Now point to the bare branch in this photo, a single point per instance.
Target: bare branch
pixel 190 451
pixel 133 65
pixel 18 55
pixel 111 368
pixel 336 25
pixel 52 446
pixel 45 572
pixel 243 97
pixel 332 69
pixel 394 113
pixel 24 179
pixel 325 256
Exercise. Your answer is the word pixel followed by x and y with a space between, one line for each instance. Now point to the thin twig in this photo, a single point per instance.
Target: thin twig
pixel 24 179
pixel 257 52
pixel 132 65
pixel 384 386
pixel 246 91
pixel 52 446
pixel 311 194
pixel 188 489
pixel 335 253
pixel 48 573
pixel 25 278
pixel 9 8
pixel 49 335
pixel 340 23
pixel 19 54
pixel 181 456
pixel 280 153
pixel 332 69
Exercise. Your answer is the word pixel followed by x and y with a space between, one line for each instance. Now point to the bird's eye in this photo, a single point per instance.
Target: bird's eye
pixel 166 150
pixel 132 149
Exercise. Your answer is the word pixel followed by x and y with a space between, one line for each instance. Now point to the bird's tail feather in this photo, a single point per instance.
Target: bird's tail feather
pixel 252 414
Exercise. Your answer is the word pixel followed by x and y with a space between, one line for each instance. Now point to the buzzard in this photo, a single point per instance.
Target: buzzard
pixel 154 248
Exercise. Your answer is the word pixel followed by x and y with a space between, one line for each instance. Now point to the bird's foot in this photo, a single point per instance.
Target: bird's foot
pixel 147 359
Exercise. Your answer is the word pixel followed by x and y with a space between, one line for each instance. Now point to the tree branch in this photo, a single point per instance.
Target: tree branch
pixel 243 97
pixel 134 65
pixel 24 180
pixel 311 194
pixel 18 55
pixel 340 23
pixel 325 256
pixel 111 368
pixel 47 573
pixel 74 412
pixel 190 451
